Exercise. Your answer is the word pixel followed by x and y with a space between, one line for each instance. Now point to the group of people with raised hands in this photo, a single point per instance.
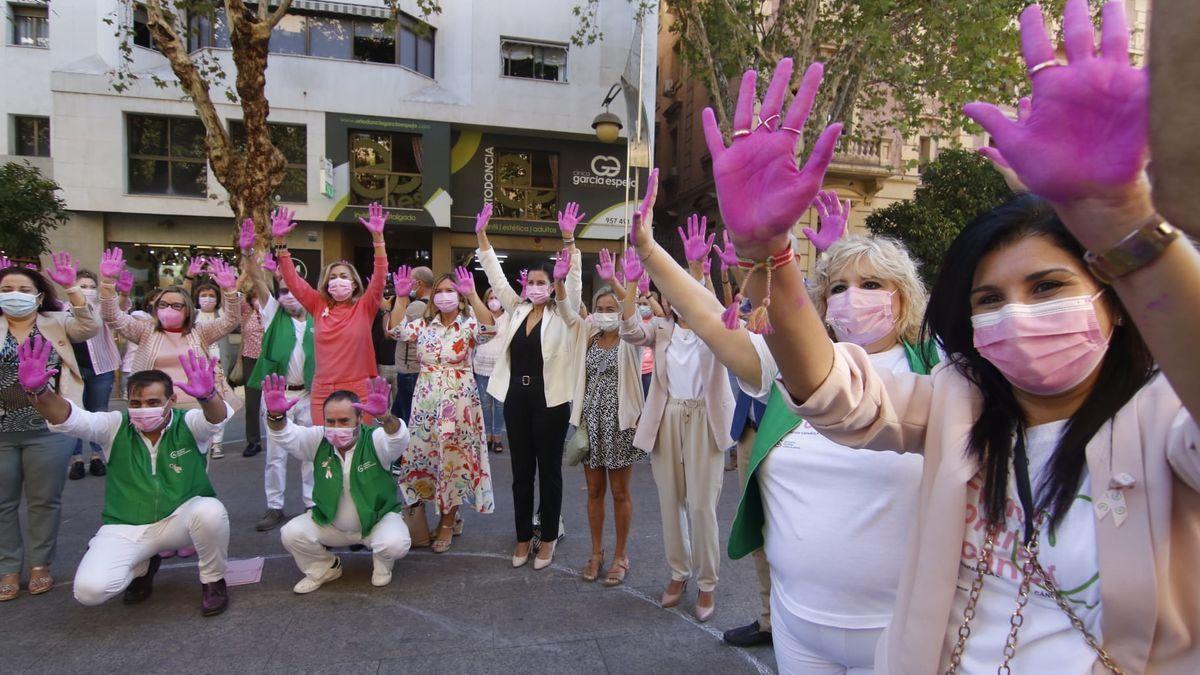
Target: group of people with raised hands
pixel 996 473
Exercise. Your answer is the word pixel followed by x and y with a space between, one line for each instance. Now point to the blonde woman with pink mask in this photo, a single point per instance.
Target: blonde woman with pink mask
pixel 343 309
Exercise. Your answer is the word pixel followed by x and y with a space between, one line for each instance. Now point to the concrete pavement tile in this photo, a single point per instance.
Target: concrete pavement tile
pixel 347 668
pixel 539 620
pixel 560 658
pixel 693 652
pixel 398 630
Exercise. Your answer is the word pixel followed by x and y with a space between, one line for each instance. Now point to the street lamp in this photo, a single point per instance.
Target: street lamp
pixel 607 125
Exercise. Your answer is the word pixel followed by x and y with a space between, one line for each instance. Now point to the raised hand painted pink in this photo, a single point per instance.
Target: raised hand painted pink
pixel 1086 128
pixel 33 355
pixel 247 237
pixel 376 402
pixel 112 263
pixel 201 380
pixel 64 269
pixel 761 190
pixel 376 220
pixel 569 219
pixel 562 266
pixel 464 282
pixel 402 280
pixel 833 214
pixel 695 244
pixel 274 390
pixel 607 268
pixel 281 222
pixel 727 255
pixel 481 220
pixel 632 264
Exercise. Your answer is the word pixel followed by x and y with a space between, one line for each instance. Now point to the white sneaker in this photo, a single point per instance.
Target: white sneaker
pixel 382 576
pixel 308 584
pixel 215 451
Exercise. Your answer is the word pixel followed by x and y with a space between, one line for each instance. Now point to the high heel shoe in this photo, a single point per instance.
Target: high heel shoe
pixel 540 563
pixel 703 613
pixel 520 560
pixel 670 599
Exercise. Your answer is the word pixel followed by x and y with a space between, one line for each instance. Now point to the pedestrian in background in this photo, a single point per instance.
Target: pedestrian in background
pixel 485 363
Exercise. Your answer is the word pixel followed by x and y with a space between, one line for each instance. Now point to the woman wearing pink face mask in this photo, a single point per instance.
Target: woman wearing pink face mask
pixel 447 460
pixel 535 376
pixel 1058 521
pixel 174 330
pixel 485 362
pixel 343 310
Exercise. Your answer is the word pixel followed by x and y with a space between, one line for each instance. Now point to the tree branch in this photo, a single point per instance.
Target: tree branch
pixel 717 84
pixel 277 15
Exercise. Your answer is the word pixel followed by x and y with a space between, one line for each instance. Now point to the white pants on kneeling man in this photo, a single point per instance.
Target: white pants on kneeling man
pixel 120 553
pixel 389 541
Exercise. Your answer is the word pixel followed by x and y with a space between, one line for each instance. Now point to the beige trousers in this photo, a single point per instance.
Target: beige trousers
pixel 745 447
pixel 688 469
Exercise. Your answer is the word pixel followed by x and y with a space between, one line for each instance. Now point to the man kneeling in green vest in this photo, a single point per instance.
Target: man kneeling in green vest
pixel 354 493
pixel 149 505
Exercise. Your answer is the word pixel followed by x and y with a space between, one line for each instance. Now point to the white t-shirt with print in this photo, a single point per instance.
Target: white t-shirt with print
pixel 837 519
pixel 1047 642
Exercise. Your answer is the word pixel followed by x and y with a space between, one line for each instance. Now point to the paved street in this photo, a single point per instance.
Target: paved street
pixel 464 611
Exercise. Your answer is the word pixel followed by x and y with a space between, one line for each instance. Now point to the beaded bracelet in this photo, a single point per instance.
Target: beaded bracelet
pixel 759 321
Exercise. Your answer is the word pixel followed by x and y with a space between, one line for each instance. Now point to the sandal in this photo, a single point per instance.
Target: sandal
pixel 458 526
pixel 616 573
pixel 442 545
pixel 40 580
pixel 592 569
pixel 10 586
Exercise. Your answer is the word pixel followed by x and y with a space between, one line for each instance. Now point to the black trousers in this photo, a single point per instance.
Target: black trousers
pixel 253 401
pixel 535 440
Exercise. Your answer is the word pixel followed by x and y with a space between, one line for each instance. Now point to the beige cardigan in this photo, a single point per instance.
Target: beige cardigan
pixel 1149 583
pixel 629 385
pixel 718 396
pixel 61 329
pixel 146 339
pixel 564 333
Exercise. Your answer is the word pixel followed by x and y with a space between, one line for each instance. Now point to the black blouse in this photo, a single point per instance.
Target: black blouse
pixel 525 351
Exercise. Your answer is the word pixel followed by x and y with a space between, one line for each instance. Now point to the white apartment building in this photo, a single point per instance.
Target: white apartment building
pixel 489 102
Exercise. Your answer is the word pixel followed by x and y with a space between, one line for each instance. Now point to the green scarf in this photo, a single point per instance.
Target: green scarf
pixel 278 343
pixel 139 493
pixel 372 486
pixel 777 422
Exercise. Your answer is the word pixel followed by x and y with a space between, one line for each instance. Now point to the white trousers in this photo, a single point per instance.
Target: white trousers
pixel 806 648
pixel 306 541
pixel 120 553
pixel 275 471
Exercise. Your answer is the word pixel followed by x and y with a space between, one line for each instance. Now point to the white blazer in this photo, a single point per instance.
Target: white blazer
pixel 564 332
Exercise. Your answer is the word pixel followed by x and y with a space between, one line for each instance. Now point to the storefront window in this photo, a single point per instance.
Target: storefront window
pixel 386 167
pixel 292 141
pixel 528 185
pixel 167 156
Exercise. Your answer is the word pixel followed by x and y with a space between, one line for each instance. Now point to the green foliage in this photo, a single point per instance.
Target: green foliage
pixel 889 64
pixel 956 188
pixel 29 208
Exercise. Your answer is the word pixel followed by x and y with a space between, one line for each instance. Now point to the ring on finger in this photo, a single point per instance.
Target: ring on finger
pixel 741 132
pixel 791 129
pixel 767 122
pixel 1037 68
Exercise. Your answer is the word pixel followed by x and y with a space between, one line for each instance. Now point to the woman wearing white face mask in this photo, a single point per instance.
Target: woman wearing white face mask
pixel 608 402
pixel 33 461
pixel 447 461
pixel 98 360
pixel 1058 522
pixel 208 305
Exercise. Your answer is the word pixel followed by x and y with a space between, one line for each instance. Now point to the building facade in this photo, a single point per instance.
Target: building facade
pixel 484 102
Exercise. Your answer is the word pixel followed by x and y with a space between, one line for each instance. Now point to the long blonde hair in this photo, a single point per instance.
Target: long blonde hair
pixel 891 261
pixel 323 282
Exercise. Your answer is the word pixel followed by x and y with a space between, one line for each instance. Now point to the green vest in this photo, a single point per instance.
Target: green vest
pixel 278 343
pixel 138 493
pixel 746 536
pixel 372 486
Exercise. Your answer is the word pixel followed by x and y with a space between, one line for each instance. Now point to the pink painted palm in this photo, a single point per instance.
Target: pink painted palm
pixel 761 190
pixel 1085 134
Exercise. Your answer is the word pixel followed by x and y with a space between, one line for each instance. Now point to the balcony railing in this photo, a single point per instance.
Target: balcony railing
pixel 859 152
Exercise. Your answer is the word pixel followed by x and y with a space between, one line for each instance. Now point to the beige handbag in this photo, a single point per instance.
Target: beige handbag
pixel 418 526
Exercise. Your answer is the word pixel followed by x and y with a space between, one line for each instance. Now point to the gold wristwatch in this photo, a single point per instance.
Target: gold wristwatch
pixel 1138 249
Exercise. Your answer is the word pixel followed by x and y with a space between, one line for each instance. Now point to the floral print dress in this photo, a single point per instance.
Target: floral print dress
pixel 446 460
